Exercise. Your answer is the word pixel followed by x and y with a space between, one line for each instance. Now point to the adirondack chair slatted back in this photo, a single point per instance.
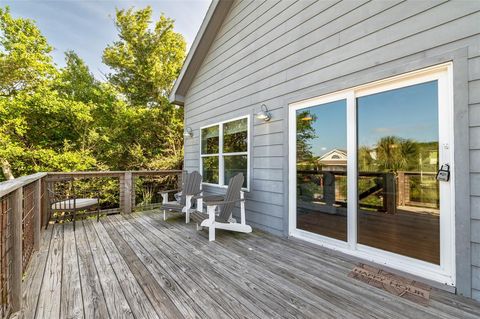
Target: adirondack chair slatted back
pixel 233 193
pixel 191 186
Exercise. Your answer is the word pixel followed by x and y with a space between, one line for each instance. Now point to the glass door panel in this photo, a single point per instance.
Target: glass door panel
pixel 321 141
pixel 398 155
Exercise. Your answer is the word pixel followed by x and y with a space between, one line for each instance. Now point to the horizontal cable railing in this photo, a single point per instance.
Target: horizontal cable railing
pixel 25 205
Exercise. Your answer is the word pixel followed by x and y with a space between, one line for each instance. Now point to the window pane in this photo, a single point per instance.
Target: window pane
pixel 210 169
pixel 322 169
pixel 235 136
pixel 398 204
pixel 210 140
pixel 236 164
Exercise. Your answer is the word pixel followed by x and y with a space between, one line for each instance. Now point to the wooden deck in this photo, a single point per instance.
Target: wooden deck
pixel 142 267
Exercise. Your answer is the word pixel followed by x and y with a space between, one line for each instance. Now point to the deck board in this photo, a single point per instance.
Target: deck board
pixel 125 273
pixel 93 300
pixel 51 290
pixel 72 301
pixel 34 277
pixel 154 294
pixel 115 299
pixel 139 266
pixel 174 263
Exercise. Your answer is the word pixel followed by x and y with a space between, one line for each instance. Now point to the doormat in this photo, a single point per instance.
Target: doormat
pixel 394 284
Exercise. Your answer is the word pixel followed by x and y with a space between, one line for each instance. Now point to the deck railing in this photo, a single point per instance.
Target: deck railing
pixel 24 208
pixel 395 189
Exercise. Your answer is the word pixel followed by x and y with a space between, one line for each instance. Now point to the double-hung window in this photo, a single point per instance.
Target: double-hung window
pixel 224 151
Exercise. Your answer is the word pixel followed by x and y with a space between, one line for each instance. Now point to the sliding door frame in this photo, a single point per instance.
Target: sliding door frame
pixel 443 273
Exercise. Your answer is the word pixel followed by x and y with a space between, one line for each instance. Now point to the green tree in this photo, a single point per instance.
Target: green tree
pixel 395 153
pixel 25 61
pixel 36 122
pixel 146 61
pixel 305 134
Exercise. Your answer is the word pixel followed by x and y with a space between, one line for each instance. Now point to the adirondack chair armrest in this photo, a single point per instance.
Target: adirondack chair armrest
pixel 206 197
pixel 165 194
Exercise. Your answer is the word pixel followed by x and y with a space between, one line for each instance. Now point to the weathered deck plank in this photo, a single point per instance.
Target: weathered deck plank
pixel 117 304
pixel 34 278
pixel 264 287
pixel 93 300
pixel 136 297
pixel 200 294
pixel 51 291
pixel 139 266
pixel 158 276
pixel 71 301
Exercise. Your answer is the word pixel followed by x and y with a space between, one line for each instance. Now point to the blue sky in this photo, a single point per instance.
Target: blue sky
pixel 86 26
pixel 410 112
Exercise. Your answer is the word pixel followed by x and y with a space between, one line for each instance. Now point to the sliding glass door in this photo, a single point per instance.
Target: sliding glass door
pixel 322 169
pixel 398 194
pixel 363 172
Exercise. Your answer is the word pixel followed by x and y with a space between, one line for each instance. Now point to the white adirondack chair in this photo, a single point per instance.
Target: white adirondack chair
pixel 224 219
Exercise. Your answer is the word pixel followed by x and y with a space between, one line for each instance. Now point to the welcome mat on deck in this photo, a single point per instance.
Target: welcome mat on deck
pixel 394 284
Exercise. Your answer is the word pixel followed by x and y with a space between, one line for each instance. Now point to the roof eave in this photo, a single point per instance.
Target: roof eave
pixel 206 34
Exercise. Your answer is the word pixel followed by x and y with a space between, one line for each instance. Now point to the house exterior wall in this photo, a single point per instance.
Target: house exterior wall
pixel 279 52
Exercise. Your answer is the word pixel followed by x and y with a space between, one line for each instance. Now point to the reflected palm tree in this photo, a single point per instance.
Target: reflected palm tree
pixel 395 153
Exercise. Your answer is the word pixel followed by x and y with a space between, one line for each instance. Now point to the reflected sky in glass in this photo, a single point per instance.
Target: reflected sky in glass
pixel 409 112
pixel 330 127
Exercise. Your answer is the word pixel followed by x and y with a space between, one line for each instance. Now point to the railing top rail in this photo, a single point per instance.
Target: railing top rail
pixel 12 185
pixel 142 172
pixel 7 187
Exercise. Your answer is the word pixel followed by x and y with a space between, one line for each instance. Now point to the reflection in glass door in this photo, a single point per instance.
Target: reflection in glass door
pixel 321 136
pixel 398 157
pixel 363 166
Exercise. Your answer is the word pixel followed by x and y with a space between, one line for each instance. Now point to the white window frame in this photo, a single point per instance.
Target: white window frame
pixel 444 273
pixel 221 155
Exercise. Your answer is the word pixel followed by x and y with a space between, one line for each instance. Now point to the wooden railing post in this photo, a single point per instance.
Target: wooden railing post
pixel 389 193
pixel 127 192
pixel 16 214
pixel 329 188
pixel 44 202
pixel 37 219
pixel 401 188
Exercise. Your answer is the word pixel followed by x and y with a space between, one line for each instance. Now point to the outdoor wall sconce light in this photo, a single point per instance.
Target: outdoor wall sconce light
pixel 188 132
pixel 264 113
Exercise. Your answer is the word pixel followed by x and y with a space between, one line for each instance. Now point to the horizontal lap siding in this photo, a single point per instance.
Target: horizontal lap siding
pixel 474 119
pixel 273 52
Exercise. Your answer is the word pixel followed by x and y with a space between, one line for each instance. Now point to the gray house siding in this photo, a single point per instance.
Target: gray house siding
pixel 474 121
pixel 278 52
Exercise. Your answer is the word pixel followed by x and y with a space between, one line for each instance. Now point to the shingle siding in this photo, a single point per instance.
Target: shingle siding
pixel 277 52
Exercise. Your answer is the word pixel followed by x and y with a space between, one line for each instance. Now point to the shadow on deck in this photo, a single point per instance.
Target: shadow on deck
pixel 142 267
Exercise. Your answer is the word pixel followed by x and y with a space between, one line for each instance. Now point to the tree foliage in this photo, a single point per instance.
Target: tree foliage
pixel 63 119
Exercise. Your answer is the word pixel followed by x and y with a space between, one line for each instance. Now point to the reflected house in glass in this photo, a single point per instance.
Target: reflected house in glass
pixel 335 160
pixel 362 100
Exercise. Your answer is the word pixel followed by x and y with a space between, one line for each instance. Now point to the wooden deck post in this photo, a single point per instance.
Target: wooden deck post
pixel 45 202
pixel 389 193
pixel 329 188
pixel 401 188
pixel 127 192
pixel 16 215
pixel 37 215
